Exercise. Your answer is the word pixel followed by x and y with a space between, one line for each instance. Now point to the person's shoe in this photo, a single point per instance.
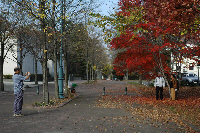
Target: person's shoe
pixel 19 115
pixel 14 114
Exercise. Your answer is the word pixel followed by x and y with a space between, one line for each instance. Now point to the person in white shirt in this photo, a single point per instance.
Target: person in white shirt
pixel 159 84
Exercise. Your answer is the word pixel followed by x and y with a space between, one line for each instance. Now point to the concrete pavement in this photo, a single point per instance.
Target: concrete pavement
pixel 80 115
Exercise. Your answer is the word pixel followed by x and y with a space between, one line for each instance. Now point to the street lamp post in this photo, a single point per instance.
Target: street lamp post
pixel 60 79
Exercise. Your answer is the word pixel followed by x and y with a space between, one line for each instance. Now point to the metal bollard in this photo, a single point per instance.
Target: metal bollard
pixel 125 90
pixel 103 91
pixel 38 89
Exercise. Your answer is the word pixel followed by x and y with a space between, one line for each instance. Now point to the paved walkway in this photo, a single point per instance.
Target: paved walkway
pixel 79 116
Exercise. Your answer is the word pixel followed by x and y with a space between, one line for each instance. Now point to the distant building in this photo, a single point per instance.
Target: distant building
pixel 28 62
pixel 187 65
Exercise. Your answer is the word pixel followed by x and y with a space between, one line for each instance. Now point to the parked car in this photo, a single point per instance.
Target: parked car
pixel 190 78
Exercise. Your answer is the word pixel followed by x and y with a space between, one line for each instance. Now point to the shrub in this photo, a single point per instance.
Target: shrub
pixel 7 76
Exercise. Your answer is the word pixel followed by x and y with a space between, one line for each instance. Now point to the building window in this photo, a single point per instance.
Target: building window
pixel 184 70
pixel 191 67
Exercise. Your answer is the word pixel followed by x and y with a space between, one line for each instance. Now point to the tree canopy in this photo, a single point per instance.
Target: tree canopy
pixel 148 32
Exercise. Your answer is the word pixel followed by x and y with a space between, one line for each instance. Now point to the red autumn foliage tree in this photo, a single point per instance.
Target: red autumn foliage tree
pixel 164 27
pixel 140 50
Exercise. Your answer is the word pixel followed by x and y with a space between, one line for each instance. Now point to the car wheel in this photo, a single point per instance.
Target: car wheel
pixel 188 83
pixel 192 83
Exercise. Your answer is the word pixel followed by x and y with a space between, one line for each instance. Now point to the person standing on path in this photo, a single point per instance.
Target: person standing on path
pixel 173 86
pixel 159 84
pixel 18 90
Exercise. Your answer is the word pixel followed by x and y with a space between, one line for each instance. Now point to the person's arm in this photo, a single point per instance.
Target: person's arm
pixel 27 75
pixel 155 82
pixel 175 84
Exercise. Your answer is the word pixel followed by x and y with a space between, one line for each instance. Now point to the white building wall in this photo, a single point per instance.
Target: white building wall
pixel 28 62
pixel 185 66
pixel 51 67
pixel 186 63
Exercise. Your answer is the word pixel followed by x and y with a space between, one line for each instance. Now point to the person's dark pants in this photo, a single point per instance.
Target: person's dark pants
pixel 159 89
pixel 18 103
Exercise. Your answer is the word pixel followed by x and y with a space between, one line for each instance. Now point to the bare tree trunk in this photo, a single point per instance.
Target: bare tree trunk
pixel 127 74
pixel 95 77
pixel 20 34
pixel 44 62
pixel 67 91
pixel 1 74
pixel 92 73
pixel 44 69
pixel 1 60
pixel 55 52
pixel 45 79
pixel 1 66
pixel 179 75
pixel 87 73
pixel 140 79
pixel 148 83
pixel 36 72
pixel 163 74
pixel 45 82
pixel 87 53
pixel 56 75
pixel 21 57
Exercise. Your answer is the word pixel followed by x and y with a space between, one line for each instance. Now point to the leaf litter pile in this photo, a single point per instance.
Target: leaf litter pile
pixel 54 103
pixel 184 111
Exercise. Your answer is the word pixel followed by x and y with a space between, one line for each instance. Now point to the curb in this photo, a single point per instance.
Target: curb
pixel 63 104
pixel 3 92
pixel 32 85
pixel 51 107
pixel 141 92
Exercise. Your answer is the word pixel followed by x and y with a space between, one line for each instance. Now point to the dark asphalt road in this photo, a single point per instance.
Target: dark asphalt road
pixel 81 115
